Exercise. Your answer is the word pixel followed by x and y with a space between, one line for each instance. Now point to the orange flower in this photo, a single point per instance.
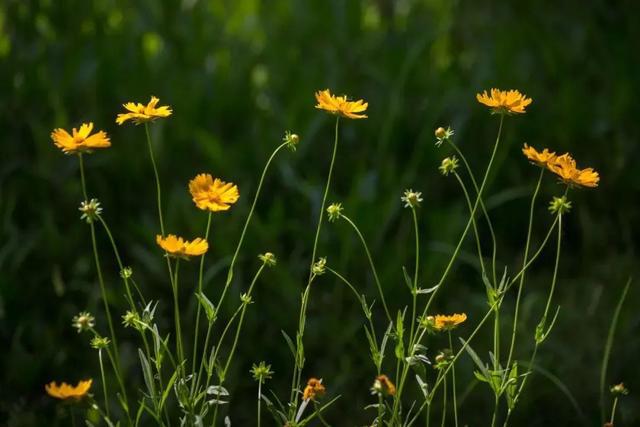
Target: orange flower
pixel 539 158
pixel 565 167
pixel 340 106
pixel 179 248
pixel 504 102
pixel 446 323
pixel 383 385
pixel 313 389
pixel 65 391
pixel 213 195
pixel 140 113
pixel 80 141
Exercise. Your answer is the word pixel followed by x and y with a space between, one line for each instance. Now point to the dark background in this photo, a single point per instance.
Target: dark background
pixel 237 74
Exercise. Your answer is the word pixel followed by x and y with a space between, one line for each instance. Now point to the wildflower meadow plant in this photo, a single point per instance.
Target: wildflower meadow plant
pixel 186 384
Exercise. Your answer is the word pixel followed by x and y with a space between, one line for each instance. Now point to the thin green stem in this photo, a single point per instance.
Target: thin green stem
pixel 297 370
pixel 373 267
pixel 538 252
pixel 613 410
pixel 482 207
pixel 473 222
pixel 609 344
pixel 157 177
pixel 176 315
pixel 103 290
pixel 414 291
pixel 198 310
pixel 526 376
pixel 242 313
pixel 514 329
pixel 466 230
pixel 248 220
pixel 125 279
pixel 453 384
pixel 104 383
pixel 444 400
pixel 259 401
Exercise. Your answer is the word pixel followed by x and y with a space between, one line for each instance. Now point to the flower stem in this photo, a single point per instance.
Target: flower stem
pixel 248 220
pixel 259 400
pixel 482 207
pixel 524 263
pixel 198 310
pixel 373 267
pixel 104 383
pixel 176 313
pixel 453 383
pixel 157 176
pixel 414 291
pixel 444 400
pixel 297 369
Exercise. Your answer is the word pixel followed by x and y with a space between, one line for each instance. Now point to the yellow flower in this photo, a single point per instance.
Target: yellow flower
pixel 587 178
pixel 313 389
pixel 213 195
pixel 80 141
pixel 340 106
pixel 541 159
pixel 383 385
pixel 140 113
pixel 65 391
pixel 180 248
pixel 565 167
pixel 504 101
pixel 446 323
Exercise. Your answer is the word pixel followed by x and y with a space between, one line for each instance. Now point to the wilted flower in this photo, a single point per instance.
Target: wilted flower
pixel 84 321
pixel 428 323
pixel 261 371
pixel 411 198
pixel 313 389
pixel 560 205
pixel 65 391
pixel 179 248
pixel 319 266
pixel 340 106
pixel 383 385
pixel 292 140
pixel 80 141
pixel 99 343
pixel 268 259
pixel 504 101
pixel 443 359
pixel 448 165
pixel 213 195
pixel 131 319
pixel 246 299
pixel 91 210
pixel 334 211
pixel 140 113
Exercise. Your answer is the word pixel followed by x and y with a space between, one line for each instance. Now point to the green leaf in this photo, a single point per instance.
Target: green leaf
pixel 289 343
pixel 475 358
pixel 207 305
pixel 512 385
pixel 147 375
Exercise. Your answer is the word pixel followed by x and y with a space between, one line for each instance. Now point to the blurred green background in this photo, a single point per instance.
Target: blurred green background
pixel 237 74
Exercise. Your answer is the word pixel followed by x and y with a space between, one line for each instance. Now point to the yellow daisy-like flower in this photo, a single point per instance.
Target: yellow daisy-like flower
pixel 538 158
pixel 180 248
pixel 313 389
pixel 140 113
pixel 66 391
pixel 213 194
pixel 446 323
pixel 504 101
pixel 80 141
pixel 340 106
pixel 565 167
